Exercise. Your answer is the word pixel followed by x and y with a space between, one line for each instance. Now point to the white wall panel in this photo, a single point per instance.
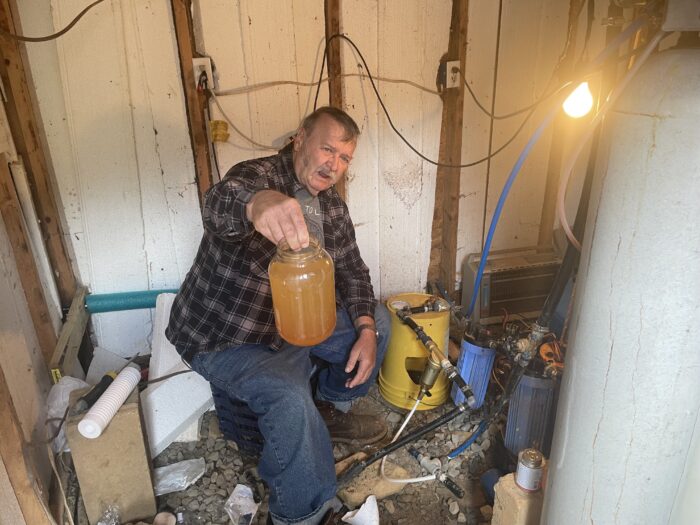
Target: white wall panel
pixel 121 152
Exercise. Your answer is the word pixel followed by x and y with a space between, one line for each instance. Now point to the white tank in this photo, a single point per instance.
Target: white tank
pixel 631 390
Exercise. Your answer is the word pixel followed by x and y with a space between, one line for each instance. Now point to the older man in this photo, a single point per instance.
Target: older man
pixel 222 320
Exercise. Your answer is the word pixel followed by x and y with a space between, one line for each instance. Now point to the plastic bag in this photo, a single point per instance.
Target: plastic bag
pixel 241 506
pixel 57 402
pixel 177 476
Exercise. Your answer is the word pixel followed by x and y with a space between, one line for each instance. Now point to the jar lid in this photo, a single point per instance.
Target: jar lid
pixel 531 458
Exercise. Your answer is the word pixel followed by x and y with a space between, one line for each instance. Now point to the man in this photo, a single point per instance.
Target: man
pixel 222 319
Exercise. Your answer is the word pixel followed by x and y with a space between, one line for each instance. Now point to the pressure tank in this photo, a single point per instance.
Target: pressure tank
pixel 631 388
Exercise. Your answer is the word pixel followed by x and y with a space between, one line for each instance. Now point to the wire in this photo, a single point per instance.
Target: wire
pixel 265 85
pixel 168 376
pixel 53 36
pixel 391 123
pixel 396 436
pixel 536 103
pixel 60 485
pixel 230 122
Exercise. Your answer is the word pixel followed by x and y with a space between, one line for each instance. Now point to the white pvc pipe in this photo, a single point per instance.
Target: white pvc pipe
pixel 102 412
pixel 569 167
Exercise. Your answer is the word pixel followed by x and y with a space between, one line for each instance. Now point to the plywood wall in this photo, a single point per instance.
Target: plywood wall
pixel 112 103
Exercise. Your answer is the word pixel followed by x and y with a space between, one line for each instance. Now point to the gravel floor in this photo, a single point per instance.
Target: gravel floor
pixel 416 504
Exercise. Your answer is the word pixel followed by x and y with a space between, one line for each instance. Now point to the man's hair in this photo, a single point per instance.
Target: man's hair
pixel 352 131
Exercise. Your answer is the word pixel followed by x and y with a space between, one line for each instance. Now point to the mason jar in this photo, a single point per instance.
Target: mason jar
pixel 303 293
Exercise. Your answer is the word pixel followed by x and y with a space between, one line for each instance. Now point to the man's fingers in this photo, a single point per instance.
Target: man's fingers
pixel 279 217
pixel 352 361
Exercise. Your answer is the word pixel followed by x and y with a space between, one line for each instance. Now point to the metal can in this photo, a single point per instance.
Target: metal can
pixel 528 476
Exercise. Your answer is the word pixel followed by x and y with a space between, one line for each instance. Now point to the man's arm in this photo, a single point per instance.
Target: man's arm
pixel 242 202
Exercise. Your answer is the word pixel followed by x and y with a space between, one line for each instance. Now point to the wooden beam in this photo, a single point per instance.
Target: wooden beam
pixel 21 473
pixel 26 131
pixel 331 9
pixel 195 101
pixel 11 212
pixel 443 250
pixel 65 354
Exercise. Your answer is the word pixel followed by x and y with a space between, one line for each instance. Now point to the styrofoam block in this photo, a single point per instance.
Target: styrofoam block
pixel 165 360
pixel 170 406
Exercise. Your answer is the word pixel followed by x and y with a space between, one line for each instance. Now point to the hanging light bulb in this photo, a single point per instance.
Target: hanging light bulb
pixel 579 102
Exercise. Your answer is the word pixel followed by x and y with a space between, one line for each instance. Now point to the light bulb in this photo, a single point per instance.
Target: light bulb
pixel 579 102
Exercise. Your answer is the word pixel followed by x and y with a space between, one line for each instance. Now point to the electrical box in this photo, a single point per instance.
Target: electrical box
pixel 514 281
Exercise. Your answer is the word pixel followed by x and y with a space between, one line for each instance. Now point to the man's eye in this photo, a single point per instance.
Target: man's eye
pixel 346 160
pixel 326 148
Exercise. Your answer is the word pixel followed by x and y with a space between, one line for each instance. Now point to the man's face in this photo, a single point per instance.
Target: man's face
pixel 321 157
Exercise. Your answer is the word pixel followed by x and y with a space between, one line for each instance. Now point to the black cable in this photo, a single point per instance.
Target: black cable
pixel 168 376
pixel 391 123
pixel 492 123
pixel 536 103
pixel 53 36
pixel 379 454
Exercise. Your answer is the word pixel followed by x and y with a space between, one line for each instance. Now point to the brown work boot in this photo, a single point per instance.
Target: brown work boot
pixel 350 428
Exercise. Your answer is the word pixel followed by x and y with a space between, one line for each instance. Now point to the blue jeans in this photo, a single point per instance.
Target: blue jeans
pixel 297 458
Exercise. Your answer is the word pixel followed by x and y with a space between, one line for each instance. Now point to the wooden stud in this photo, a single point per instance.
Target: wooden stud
pixel 26 132
pixel 195 101
pixel 443 250
pixel 335 85
pixel 20 471
pixel 65 355
pixel 11 212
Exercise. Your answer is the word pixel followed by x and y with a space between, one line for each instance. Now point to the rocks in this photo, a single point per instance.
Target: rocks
pixel 416 504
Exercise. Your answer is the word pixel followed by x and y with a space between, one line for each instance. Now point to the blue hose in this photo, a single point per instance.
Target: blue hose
pixel 627 33
pixel 468 443
pixel 502 200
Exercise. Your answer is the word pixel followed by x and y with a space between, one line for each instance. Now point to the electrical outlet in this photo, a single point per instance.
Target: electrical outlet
pixel 203 64
pixel 452 73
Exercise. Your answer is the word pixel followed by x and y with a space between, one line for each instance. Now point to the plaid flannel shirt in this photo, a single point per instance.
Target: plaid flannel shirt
pixel 225 299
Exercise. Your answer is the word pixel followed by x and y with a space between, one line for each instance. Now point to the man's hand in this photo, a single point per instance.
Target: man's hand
pixel 364 355
pixel 278 217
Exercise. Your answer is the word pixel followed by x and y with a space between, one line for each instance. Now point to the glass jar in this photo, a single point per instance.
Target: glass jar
pixel 303 293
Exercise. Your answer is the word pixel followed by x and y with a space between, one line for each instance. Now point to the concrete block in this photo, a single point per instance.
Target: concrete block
pixel 513 506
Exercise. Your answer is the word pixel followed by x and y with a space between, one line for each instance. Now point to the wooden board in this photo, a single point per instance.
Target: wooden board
pixel 26 133
pixel 64 360
pixel 445 218
pixel 196 101
pixel 21 473
pixel 335 69
pixel 26 263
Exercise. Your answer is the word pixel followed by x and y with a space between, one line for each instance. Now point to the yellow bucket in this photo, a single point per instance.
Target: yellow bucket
pixel 406 356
